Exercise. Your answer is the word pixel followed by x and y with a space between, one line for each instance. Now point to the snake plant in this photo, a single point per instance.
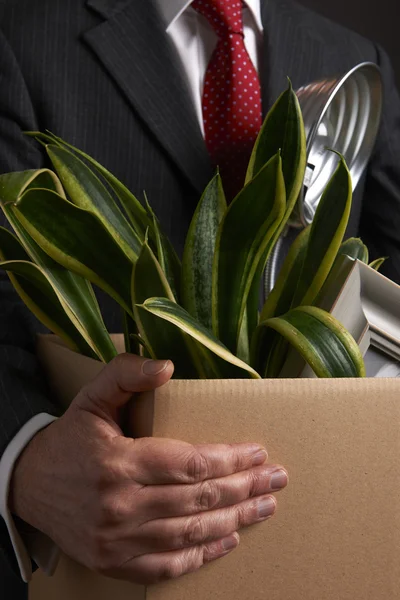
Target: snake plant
pixel 202 311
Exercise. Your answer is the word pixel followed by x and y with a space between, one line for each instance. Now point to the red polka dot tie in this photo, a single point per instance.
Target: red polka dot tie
pixel 231 96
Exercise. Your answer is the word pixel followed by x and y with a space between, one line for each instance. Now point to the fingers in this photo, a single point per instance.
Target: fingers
pixel 184 532
pixel 154 568
pixel 123 376
pixel 181 500
pixel 155 461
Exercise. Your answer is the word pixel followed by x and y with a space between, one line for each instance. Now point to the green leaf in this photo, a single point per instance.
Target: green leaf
pixel 198 255
pixel 282 131
pixel 376 264
pixel 264 343
pixel 139 341
pixel 38 295
pixel 74 292
pixel 326 235
pixel 321 340
pixel 181 319
pixel 13 185
pixel 87 191
pixel 77 240
pixel 354 248
pixel 243 345
pixel 276 356
pixel 280 299
pixel 35 290
pixel 130 334
pixel 244 234
pixel 166 255
pixel 133 208
pixel 163 341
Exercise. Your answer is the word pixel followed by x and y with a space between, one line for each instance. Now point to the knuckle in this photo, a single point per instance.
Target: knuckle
pixel 210 552
pixel 103 471
pixel 195 559
pixel 237 459
pixel 240 516
pixel 173 568
pixel 121 361
pixel 180 564
pixel 209 495
pixel 253 483
pixel 196 467
pixel 88 394
pixel 101 560
pixel 194 532
pixel 113 510
pixel 103 565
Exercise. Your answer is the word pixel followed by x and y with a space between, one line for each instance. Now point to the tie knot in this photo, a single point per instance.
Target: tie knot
pixel 224 16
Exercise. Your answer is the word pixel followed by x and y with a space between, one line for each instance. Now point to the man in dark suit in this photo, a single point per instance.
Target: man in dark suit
pixel 107 76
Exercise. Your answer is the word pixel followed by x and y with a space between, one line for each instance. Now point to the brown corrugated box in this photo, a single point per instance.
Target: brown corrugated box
pixel 336 533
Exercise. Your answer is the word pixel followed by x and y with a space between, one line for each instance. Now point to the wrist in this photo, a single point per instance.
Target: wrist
pixel 26 483
pixel 15 487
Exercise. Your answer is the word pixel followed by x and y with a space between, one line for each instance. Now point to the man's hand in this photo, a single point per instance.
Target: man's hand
pixel 145 509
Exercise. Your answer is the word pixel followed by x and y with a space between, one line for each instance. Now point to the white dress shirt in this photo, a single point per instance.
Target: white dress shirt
pixel 195 41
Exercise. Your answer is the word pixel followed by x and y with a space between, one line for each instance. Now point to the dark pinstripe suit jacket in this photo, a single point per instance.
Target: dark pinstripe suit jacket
pixel 103 75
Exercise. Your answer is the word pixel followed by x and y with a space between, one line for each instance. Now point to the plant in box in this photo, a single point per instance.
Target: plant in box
pixel 79 226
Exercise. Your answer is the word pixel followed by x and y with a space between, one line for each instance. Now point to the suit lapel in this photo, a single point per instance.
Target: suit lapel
pixel 134 48
pixel 290 49
pixel 132 45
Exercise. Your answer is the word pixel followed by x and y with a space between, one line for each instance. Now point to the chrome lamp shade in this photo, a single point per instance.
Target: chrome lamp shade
pixel 341 114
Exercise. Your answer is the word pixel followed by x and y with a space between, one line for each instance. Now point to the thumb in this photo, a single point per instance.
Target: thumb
pixel 123 376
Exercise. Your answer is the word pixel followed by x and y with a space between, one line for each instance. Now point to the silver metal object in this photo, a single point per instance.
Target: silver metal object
pixel 341 114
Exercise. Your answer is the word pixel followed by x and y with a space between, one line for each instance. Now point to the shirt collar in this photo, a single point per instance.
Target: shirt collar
pixel 171 10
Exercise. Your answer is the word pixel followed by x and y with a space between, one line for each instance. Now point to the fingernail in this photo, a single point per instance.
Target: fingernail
pixel 154 367
pixel 266 507
pixel 259 457
pixel 278 480
pixel 230 542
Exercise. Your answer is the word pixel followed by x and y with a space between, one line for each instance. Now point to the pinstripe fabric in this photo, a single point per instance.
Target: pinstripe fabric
pixel 103 75
pixel 162 88
pixel 306 47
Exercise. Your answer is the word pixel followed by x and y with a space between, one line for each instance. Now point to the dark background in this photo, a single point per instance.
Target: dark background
pixel 378 21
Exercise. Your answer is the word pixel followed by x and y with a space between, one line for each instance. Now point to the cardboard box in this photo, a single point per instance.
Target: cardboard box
pixel 336 533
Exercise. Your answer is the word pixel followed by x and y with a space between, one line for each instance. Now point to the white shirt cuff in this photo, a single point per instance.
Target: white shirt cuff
pixel 36 545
